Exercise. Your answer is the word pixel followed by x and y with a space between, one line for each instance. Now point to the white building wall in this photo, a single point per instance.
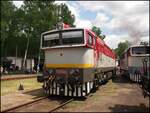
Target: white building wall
pixel 19 61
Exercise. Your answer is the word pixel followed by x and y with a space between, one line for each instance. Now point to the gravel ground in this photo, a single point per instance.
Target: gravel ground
pixel 116 96
pixel 19 98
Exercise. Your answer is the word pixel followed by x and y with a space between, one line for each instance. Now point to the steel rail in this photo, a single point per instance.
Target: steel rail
pixel 63 104
pixel 13 108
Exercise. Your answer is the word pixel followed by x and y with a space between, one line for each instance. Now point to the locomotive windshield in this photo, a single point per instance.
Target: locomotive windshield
pixel 141 50
pixel 51 40
pixel 71 37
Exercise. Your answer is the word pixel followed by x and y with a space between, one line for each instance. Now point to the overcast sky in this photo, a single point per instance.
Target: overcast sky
pixel 119 20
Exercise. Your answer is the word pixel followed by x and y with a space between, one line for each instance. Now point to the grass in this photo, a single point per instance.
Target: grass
pixel 11 86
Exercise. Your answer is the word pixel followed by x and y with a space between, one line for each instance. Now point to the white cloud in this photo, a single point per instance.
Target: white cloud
pixel 116 7
pixel 92 5
pixel 130 17
pixel 127 17
pixel 101 19
pixel 83 23
pixel 113 40
pixel 146 38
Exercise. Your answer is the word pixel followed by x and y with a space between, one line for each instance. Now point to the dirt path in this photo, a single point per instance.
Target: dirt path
pixel 116 96
pixel 22 97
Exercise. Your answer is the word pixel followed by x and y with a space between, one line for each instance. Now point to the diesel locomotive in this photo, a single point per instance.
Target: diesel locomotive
pixel 76 61
pixel 132 61
pixel 135 63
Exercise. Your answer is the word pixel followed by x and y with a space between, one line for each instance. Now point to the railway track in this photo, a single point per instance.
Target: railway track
pixel 53 104
pixel 63 104
pixel 13 108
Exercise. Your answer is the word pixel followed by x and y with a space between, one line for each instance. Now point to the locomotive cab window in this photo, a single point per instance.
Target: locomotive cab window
pixel 51 40
pixel 141 50
pixel 68 37
pixel 94 41
pixel 72 37
pixel 90 40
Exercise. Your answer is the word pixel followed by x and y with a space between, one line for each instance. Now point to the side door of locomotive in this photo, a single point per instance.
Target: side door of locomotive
pixel 96 52
pixel 92 43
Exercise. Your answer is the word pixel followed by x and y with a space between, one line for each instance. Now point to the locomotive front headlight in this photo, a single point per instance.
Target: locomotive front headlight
pixel 51 71
pixel 48 72
pixel 74 71
pixel 71 71
pixel 105 76
pixel 77 71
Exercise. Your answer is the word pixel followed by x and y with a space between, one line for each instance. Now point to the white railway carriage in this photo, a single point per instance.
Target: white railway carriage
pixel 132 62
pixel 75 61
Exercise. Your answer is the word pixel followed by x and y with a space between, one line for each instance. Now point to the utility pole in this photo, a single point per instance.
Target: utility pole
pixel 60 20
pixel 38 68
pixel 25 56
pixel 16 54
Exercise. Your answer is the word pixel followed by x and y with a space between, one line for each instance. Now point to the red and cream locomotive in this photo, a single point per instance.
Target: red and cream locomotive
pixel 76 61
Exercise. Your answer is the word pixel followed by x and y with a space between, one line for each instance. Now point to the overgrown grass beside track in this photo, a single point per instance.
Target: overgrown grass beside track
pixel 11 86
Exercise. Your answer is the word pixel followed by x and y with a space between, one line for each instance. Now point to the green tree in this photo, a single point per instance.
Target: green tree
pixel 20 25
pixel 42 16
pixel 98 32
pixel 67 16
pixel 7 26
pixel 38 18
pixel 122 46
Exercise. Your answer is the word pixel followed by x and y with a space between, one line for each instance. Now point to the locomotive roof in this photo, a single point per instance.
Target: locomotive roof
pixel 138 46
pixel 134 46
pixel 55 30
pixel 72 28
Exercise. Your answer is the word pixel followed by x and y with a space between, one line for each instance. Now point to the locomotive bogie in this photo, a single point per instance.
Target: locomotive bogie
pixel 135 67
pixel 77 90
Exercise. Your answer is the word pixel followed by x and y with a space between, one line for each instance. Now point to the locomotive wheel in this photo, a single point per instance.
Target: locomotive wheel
pixel 95 83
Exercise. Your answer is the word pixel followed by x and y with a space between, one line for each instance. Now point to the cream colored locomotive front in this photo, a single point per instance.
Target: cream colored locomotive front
pixel 132 61
pixel 72 57
pixel 69 61
pixel 76 57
